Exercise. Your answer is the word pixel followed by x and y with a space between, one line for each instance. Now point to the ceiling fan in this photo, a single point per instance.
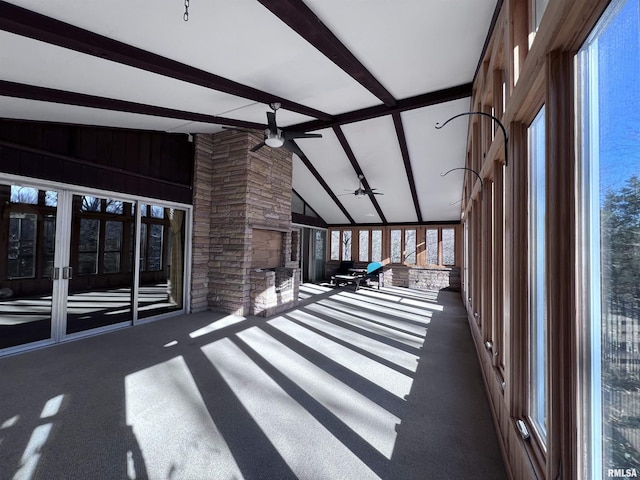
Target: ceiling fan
pixel 361 191
pixel 275 137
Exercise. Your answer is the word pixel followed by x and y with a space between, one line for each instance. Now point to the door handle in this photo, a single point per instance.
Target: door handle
pixel 67 273
pixel 55 273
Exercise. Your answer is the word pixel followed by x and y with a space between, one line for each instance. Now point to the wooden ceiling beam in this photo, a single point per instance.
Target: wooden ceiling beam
pixel 301 19
pixel 326 187
pixel 356 166
pixel 27 23
pixel 44 94
pixel 402 140
pixel 411 103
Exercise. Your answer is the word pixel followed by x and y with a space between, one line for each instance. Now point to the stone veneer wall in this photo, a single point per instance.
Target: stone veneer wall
pixel 421 278
pixel 246 190
pixel 266 298
pixel 201 246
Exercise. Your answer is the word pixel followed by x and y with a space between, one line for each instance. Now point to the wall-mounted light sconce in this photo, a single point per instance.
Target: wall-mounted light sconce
pixel 504 130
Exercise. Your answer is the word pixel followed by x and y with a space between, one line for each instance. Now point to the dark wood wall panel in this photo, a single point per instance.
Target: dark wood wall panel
pixel 152 164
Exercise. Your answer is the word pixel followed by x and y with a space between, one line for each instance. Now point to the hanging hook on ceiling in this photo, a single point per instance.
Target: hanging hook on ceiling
pixel 504 130
pixel 471 170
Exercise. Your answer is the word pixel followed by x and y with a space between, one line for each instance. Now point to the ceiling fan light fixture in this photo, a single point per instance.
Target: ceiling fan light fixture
pixel 273 140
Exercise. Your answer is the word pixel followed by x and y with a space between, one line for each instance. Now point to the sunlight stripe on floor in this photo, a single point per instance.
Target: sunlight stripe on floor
pixel 399 357
pixel 394 382
pixel 308 448
pixel 330 311
pixel 392 308
pixel 369 420
pixel 391 321
pixel 172 425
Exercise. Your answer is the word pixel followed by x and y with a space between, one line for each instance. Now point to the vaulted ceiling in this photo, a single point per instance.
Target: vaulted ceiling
pixel 372 76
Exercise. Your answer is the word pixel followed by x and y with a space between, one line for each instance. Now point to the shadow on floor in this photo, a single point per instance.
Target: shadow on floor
pixel 354 385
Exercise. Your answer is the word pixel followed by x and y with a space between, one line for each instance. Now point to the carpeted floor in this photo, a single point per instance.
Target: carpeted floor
pixel 350 385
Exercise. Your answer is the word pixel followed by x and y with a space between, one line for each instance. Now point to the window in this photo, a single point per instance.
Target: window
pixel 376 245
pixel 396 246
pixel 403 245
pixel 539 7
pixel 537 280
pixel 22 245
pixel 152 237
pixel 363 246
pixel 335 245
pixel 112 246
pixel 448 246
pixel 346 245
pixel 410 246
pixel 432 246
pixel 88 246
pixel 609 94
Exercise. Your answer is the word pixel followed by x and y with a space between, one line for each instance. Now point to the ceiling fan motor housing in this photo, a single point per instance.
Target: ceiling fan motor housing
pixel 273 139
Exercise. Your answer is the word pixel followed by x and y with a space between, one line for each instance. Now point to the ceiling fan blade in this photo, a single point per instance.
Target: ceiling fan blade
pixel 292 147
pixel 258 146
pixel 290 135
pixel 271 121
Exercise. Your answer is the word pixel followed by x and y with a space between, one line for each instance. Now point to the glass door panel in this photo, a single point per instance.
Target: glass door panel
pixel 101 263
pixel 161 284
pixel 27 243
pixel 318 253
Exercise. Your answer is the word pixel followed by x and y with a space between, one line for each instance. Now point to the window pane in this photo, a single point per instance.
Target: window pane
pixel 609 78
pixel 115 206
pixel 539 7
pixel 364 246
pixel 335 245
pixel 88 246
pixel 154 257
pixel 21 258
pixel 432 247
pixel 396 246
pixel 410 246
pixel 26 195
pixel 91 204
pixel 376 246
pixel 448 246
pixel 51 199
pixel 537 290
pixel 112 246
pixel 49 239
pixel 157 212
pixel 346 245
pixel 319 245
pixel 297 204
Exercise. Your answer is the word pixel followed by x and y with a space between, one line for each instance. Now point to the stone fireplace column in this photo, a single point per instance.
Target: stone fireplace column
pixel 248 191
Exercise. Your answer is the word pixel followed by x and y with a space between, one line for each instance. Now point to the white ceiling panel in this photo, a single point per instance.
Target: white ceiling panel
pixel 413 46
pixel 94 76
pixel 433 152
pixel 239 40
pixel 375 145
pixel 265 51
pixel 311 191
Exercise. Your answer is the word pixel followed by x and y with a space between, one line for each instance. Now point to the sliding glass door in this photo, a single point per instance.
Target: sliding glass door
pixel 74 262
pixel 27 249
pixel 161 278
pixel 101 262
